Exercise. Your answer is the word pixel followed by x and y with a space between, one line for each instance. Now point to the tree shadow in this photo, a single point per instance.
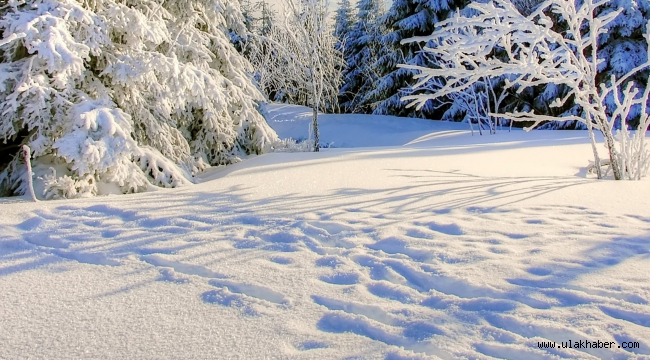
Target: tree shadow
pixel 188 235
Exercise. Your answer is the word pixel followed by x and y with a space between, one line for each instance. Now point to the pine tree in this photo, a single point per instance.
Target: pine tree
pixel 242 41
pixel 259 52
pixel 126 93
pixel 267 14
pixel 343 22
pixel 363 47
pixel 406 19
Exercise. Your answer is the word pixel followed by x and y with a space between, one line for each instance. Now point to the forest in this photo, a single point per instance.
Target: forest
pixel 113 96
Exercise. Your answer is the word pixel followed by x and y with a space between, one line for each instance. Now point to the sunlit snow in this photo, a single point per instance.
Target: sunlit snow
pixel 406 239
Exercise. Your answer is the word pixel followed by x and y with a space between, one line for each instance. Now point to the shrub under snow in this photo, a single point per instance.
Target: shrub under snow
pixel 122 94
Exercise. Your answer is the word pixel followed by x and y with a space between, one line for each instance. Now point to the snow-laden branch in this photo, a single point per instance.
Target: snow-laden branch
pixel 499 42
pixel 124 94
pixel 299 58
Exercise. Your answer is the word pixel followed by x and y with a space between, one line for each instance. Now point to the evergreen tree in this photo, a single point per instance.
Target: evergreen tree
pixel 241 41
pixel 123 93
pixel 267 14
pixel 259 52
pixel 362 51
pixel 343 22
pixel 406 19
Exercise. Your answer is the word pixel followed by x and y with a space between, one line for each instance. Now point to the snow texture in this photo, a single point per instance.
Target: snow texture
pixel 446 246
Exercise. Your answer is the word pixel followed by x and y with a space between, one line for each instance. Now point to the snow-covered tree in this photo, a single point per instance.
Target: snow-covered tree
pixel 406 19
pixel 260 53
pixel 539 50
pixel 343 22
pixel 526 7
pixel 621 49
pixel 267 14
pixel 123 93
pixel 242 40
pixel 302 62
pixel 256 47
pixel 363 48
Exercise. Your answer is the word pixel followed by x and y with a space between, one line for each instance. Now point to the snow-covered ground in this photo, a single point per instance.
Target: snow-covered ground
pixel 438 244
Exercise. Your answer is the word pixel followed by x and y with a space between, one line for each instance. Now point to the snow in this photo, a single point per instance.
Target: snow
pixel 160 100
pixel 412 240
pixel 352 131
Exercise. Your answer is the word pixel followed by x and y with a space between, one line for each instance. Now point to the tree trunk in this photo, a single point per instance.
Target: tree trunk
pixel 613 154
pixel 592 138
pixel 314 125
pixel 27 157
pixel 611 147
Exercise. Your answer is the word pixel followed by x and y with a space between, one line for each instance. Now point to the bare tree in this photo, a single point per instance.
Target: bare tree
pixel 535 53
pixel 301 59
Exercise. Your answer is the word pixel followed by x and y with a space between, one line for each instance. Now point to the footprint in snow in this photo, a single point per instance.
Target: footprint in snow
pixel 341 278
pixel 107 234
pixel 329 261
pixel 45 240
pixel 418 234
pixel 281 260
pixel 393 292
pixel 282 242
pixel 536 222
pixel 515 236
pixel 171 276
pixel 311 345
pixel 32 224
pixel 539 271
pixel 448 229
pixel 183 268
pixel 225 298
pixel 254 291
pixel 627 315
pixel 394 245
pixel 413 335
pixel 328 234
pixel 87 258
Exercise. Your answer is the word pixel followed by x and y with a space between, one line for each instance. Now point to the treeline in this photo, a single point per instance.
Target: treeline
pixel 371 38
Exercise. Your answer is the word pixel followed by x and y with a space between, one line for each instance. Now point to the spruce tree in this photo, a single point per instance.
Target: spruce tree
pixel 265 21
pixel 343 22
pixel 363 47
pixel 242 41
pixel 123 93
pixel 406 19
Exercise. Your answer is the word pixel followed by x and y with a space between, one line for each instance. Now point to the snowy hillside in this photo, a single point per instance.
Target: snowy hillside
pixel 439 244
pixel 348 131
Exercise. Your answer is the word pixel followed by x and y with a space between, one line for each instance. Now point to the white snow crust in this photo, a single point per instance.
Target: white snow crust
pixel 408 239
